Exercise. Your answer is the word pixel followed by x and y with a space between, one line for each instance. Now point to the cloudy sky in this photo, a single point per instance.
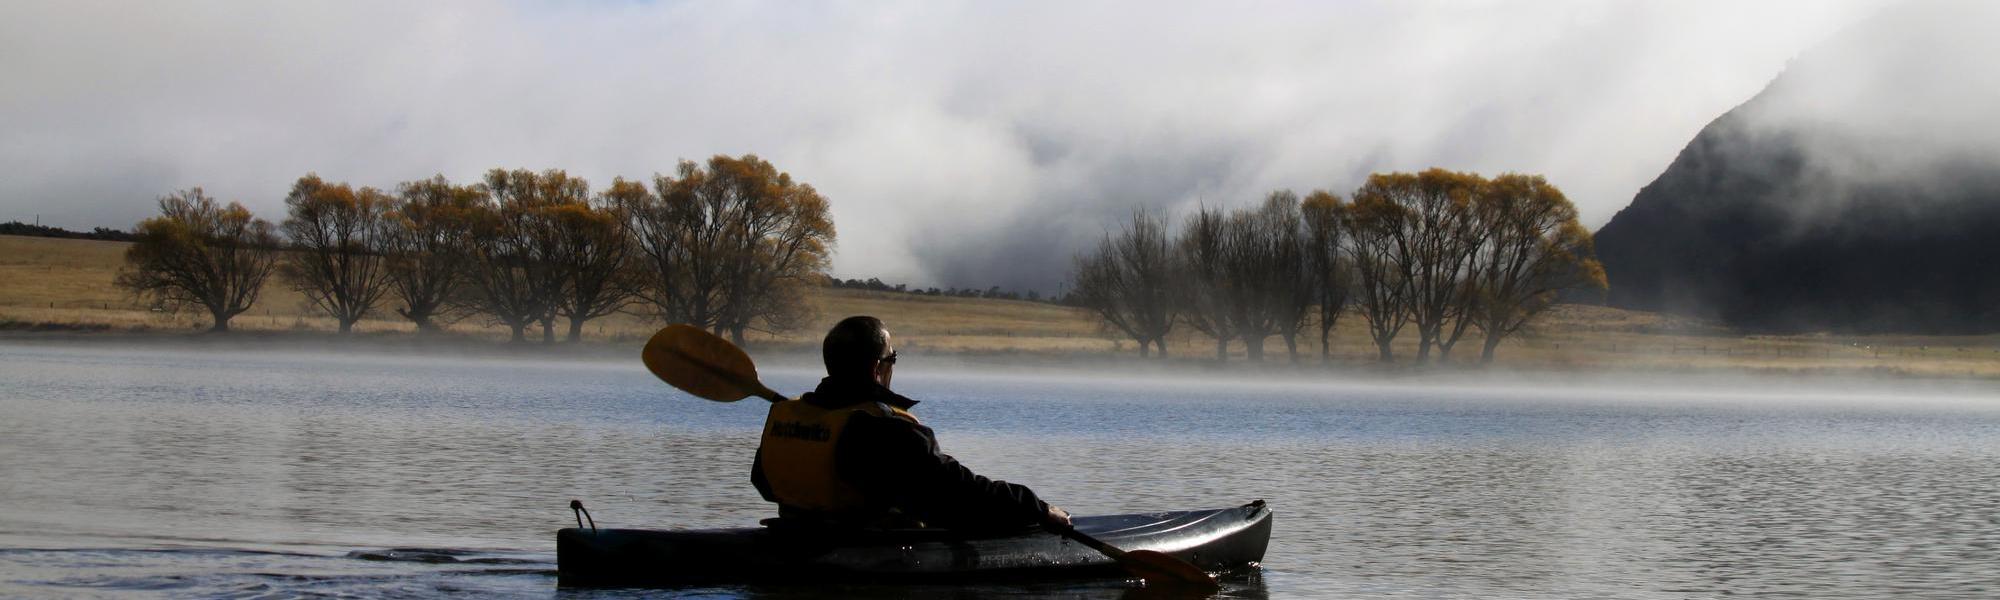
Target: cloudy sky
pixel 966 144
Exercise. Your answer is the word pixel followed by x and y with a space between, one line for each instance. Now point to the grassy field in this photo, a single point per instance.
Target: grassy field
pixel 65 285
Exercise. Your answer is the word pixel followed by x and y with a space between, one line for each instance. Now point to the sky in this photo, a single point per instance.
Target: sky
pixel 959 144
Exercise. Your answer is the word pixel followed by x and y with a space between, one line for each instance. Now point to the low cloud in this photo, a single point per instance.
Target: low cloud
pixel 969 144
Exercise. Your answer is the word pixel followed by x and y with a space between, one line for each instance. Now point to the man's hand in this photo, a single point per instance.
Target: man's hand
pixel 1056 517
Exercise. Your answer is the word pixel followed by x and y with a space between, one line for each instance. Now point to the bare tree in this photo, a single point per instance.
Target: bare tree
pixel 1128 282
pixel 338 237
pixel 1329 273
pixel 1264 265
pixel 1208 284
pixel 1536 249
pixel 199 253
pixel 429 244
pixel 1382 291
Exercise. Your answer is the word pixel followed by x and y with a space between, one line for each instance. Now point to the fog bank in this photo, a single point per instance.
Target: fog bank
pixel 961 144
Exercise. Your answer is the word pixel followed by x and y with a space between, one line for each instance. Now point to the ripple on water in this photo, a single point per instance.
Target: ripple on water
pixel 219 474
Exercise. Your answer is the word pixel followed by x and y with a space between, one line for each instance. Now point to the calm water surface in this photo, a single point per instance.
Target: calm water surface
pixel 153 473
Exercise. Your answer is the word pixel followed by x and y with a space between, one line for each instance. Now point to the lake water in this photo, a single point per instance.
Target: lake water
pixel 214 473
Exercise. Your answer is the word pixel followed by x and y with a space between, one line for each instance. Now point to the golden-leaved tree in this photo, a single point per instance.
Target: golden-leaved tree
pixel 1374 221
pixel 198 252
pixel 730 245
pixel 1329 273
pixel 594 256
pixel 429 245
pixel 516 272
pixel 1534 248
pixel 339 239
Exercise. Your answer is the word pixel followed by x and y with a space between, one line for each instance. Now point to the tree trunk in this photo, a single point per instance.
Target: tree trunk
pixel 736 334
pixel 1423 347
pixel 1292 348
pixel 1382 351
pixel 347 326
pixel 1446 343
pixel 1253 347
pixel 1486 353
pixel 1145 347
pixel 1162 343
pixel 422 319
pixel 520 333
pixel 221 321
pixel 549 330
pixel 1222 350
pixel 575 330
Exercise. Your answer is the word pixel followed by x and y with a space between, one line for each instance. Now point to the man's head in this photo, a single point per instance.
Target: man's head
pixel 858 346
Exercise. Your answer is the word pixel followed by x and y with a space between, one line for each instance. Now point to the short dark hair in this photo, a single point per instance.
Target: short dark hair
pixel 854 344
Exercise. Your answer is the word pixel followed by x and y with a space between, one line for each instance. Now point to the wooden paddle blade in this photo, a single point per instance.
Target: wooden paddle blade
pixel 702 364
pixel 1159 568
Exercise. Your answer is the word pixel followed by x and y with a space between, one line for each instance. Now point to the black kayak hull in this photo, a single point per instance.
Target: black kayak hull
pixel 1218 540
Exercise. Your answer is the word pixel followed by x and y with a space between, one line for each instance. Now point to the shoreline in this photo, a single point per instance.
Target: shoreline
pixel 1085 364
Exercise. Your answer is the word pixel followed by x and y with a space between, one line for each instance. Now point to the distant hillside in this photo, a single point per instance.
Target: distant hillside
pixel 1860 191
pixel 100 233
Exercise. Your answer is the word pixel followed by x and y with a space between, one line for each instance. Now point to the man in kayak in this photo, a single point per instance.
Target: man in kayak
pixel 850 453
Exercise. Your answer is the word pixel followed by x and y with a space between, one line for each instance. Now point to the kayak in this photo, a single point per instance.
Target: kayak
pixel 1224 540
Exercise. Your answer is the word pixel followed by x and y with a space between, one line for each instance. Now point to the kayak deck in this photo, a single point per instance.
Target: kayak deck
pixel 1216 540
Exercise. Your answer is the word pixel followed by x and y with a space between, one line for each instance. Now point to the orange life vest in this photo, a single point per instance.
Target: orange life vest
pixel 798 453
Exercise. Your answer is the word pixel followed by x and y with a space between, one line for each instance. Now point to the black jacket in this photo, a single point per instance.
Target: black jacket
pixel 896 463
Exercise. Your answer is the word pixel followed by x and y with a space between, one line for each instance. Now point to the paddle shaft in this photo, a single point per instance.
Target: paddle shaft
pixel 1095 544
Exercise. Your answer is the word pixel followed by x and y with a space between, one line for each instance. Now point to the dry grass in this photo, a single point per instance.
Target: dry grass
pixel 66 284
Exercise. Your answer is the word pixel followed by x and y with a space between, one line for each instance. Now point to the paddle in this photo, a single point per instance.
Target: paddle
pixel 710 367
pixel 702 364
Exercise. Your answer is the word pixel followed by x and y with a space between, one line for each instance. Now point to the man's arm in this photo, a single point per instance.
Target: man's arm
pixel 896 461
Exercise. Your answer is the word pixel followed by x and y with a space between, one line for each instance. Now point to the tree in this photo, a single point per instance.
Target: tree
pixel 1206 280
pixel 514 272
pixel 594 254
pixel 1128 282
pixel 199 253
pixel 551 194
pixel 338 237
pixel 1382 291
pixel 1432 243
pixel 1264 266
pixel 729 246
pixel 1535 249
pixel 1329 273
pixel 782 240
pixel 429 243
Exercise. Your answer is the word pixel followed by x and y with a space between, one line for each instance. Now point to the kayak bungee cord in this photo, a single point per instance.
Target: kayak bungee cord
pixel 576 508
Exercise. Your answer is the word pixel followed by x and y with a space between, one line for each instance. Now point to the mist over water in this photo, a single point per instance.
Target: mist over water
pixel 208 473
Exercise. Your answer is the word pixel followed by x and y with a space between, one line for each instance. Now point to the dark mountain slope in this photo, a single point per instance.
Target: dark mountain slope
pixel 1860 191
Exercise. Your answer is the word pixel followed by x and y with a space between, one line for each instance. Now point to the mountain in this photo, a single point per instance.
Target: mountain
pixel 1858 192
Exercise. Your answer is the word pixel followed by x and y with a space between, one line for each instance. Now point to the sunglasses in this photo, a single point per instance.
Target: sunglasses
pixel 890 359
